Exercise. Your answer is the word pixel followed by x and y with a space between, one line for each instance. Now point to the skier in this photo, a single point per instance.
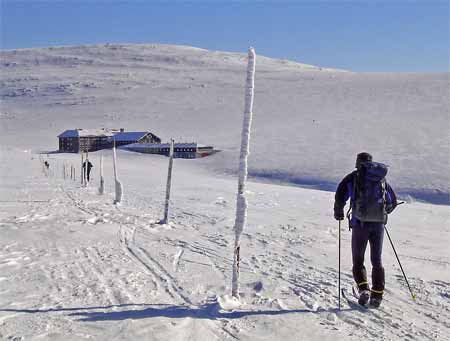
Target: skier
pixel 371 200
pixel 89 166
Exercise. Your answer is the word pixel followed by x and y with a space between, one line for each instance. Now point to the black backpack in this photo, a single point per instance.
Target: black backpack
pixel 369 193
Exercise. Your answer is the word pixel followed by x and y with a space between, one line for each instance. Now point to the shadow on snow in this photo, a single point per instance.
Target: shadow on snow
pixel 436 196
pixel 207 311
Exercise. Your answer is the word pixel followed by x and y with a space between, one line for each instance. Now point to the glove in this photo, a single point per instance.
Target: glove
pixel 390 208
pixel 339 214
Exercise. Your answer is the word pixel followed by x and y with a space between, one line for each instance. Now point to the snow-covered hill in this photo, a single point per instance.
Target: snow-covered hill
pixel 74 266
pixel 309 122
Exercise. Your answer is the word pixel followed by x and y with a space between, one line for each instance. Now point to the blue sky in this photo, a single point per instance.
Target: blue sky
pixel 359 35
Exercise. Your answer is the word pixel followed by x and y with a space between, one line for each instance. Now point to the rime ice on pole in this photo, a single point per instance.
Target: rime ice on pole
pixel 101 189
pixel 118 184
pixel 241 200
pixel 165 220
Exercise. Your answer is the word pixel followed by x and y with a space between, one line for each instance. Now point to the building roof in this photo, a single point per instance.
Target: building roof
pixel 154 146
pixel 79 132
pixel 161 145
pixel 129 136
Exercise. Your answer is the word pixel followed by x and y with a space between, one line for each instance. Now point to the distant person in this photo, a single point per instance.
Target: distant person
pixel 47 165
pixel 89 167
pixel 371 200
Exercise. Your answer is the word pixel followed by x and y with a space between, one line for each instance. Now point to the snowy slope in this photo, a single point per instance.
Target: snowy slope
pixel 74 266
pixel 309 122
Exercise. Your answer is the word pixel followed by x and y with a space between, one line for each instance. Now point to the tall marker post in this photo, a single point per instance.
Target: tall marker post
pixel 102 183
pixel 118 184
pixel 82 160
pixel 241 200
pixel 86 180
pixel 169 184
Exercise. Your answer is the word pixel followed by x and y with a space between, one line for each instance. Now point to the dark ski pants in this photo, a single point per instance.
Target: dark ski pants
pixel 361 234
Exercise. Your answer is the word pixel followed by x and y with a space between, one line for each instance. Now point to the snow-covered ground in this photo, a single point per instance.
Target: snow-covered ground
pixel 74 266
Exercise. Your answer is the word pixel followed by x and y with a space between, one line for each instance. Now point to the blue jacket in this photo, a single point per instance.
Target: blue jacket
pixel 345 191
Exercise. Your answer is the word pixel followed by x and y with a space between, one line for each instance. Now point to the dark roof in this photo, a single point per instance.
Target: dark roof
pixel 165 145
pixel 129 136
pixel 69 133
pixel 87 132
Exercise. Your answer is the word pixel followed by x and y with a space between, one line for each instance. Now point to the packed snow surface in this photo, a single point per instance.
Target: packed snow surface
pixel 75 266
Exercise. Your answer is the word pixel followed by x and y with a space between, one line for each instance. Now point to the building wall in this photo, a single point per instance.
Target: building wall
pixel 68 144
pixel 178 153
pixel 150 138
pixel 205 151
pixel 122 143
pixel 184 155
pixel 93 143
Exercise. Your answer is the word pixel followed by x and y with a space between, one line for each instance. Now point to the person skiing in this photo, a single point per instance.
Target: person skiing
pixel 371 200
pixel 89 167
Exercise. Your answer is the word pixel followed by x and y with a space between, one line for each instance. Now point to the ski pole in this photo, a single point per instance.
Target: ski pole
pixel 339 275
pixel 406 279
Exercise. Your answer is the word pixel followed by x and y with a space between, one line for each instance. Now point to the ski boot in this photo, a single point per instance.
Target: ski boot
pixel 364 296
pixel 375 299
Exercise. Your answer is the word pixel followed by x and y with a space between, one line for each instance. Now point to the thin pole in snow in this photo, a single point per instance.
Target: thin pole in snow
pixel 413 296
pixel 101 188
pixel 241 200
pixel 86 180
pixel 82 159
pixel 118 184
pixel 169 183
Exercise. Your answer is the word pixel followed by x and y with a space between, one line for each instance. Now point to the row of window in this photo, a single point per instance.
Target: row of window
pixel 166 150
pixel 185 156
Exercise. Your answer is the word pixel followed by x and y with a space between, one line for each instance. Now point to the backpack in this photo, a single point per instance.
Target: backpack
pixel 369 193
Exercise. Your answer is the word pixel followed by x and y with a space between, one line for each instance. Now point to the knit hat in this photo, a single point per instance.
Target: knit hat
pixel 362 157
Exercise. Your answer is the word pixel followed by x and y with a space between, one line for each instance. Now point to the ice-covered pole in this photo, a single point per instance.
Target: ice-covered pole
pixel 241 200
pixel 82 160
pixel 102 183
pixel 86 162
pixel 169 183
pixel 118 184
